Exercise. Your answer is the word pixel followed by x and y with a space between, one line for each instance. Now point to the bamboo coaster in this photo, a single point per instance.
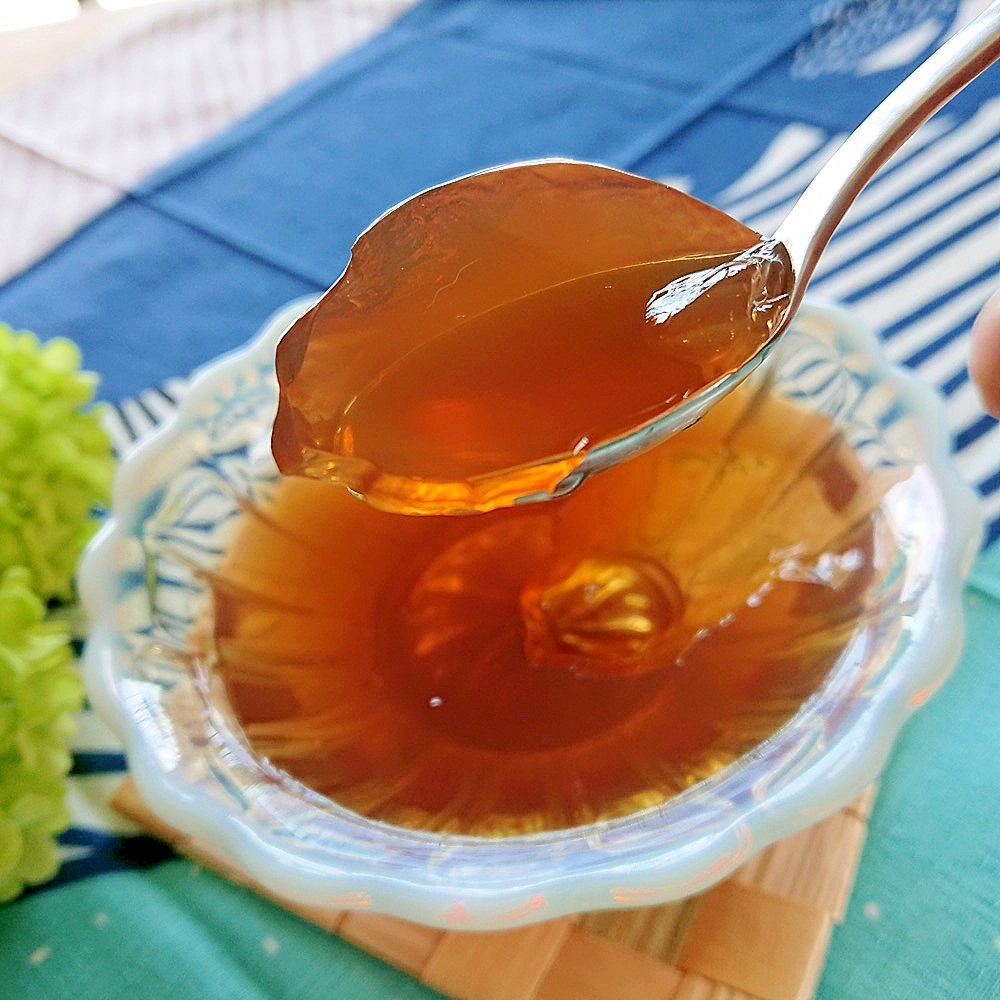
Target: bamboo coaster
pixel 762 934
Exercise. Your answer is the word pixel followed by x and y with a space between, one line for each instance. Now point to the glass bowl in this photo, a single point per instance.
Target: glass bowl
pixel 179 498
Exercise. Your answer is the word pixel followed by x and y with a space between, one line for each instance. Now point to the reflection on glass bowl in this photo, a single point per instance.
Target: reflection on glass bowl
pixel 182 496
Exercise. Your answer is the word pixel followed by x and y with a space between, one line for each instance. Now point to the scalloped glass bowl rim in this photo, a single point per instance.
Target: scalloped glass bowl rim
pixel 498 899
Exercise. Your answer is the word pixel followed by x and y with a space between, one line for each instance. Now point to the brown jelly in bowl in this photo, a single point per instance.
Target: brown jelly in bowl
pixel 541 667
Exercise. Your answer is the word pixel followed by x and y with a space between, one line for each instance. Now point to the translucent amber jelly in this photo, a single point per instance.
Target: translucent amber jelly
pixel 539 667
pixel 489 333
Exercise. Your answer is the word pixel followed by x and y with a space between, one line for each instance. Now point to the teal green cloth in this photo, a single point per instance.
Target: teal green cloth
pixel 924 919
pixel 179 931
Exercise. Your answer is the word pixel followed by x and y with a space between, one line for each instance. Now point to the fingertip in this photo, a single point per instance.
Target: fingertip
pixel 984 355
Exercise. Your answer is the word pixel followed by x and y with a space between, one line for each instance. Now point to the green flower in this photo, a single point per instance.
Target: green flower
pixel 39 692
pixel 56 462
pixel 56 467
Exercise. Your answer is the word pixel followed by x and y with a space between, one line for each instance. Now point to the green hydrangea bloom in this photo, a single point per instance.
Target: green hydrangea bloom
pixel 56 466
pixel 55 460
pixel 39 692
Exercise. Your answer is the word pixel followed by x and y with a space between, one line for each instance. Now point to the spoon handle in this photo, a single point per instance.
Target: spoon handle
pixel 809 225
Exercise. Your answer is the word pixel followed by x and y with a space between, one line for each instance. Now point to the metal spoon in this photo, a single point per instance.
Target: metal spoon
pixel 812 221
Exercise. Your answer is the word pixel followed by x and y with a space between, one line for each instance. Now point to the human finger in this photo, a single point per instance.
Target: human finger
pixel 984 355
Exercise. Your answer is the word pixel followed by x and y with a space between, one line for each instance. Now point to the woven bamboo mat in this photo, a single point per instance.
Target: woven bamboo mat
pixel 762 934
